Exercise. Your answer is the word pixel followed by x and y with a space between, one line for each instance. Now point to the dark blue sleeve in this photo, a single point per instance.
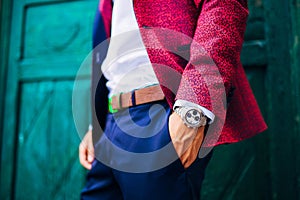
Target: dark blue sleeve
pixel 99 91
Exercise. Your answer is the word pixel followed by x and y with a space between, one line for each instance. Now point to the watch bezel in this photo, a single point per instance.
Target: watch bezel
pixel 187 118
pixel 183 111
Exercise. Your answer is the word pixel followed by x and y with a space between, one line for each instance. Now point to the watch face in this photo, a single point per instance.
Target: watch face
pixel 193 117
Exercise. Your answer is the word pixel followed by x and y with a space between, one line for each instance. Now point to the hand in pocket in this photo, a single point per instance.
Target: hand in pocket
pixel 187 141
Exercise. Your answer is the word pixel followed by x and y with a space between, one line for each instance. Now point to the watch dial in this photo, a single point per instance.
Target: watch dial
pixel 193 117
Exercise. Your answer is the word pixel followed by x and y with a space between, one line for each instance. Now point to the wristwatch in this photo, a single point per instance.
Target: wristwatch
pixel 192 117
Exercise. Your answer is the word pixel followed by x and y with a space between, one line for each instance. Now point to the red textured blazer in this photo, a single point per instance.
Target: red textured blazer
pixel 218 27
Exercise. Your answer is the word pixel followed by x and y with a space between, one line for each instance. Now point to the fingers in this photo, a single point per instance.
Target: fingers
pixel 83 157
pixel 190 155
pixel 186 141
pixel 86 151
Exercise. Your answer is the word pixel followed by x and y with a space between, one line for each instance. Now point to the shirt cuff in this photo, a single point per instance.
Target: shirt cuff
pixel 205 111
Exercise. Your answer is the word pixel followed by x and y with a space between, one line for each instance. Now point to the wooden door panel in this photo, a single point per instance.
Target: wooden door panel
pixel 256 21
pixel 56 30
pixel 47 151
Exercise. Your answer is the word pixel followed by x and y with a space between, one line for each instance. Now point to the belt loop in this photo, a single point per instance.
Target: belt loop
pixel 120 100
pixel 133 100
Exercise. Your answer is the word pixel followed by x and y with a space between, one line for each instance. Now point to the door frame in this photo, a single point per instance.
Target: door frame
pixel 5 23
pixel 12 37
pixel 5 40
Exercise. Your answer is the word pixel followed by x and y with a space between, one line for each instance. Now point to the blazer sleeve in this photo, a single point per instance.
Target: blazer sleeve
pixel 214 52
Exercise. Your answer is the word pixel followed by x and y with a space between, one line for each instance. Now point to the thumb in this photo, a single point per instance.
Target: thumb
pixel 90 158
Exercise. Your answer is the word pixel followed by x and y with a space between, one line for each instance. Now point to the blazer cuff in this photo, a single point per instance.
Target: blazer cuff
pixel 205 111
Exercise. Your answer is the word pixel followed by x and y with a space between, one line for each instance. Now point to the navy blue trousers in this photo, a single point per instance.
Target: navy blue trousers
pixel 141 170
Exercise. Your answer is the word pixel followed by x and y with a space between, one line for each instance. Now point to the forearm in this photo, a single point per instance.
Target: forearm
pixel 219 32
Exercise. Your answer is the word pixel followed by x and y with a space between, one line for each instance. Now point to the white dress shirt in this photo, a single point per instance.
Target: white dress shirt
pixel 127 65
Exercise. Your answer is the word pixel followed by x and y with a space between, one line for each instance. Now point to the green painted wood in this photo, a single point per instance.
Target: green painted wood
pixel 63 68
pixel 51 34
pixel 11 107
pixel 5 15
pixel 282 29
pixel 256 21
pixel 224 175
pixel 295 53
pixel 254 53
pixel 47 46
pixel 47 163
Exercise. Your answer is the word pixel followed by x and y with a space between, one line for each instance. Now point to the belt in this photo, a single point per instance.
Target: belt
pixel 135 97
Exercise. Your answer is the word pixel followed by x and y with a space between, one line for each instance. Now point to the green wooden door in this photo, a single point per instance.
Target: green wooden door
pixel 49 40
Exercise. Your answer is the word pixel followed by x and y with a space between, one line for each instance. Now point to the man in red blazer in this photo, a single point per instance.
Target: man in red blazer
pixel 196 79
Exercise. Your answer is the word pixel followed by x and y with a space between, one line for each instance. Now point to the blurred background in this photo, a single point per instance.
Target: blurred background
pixel 44 42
